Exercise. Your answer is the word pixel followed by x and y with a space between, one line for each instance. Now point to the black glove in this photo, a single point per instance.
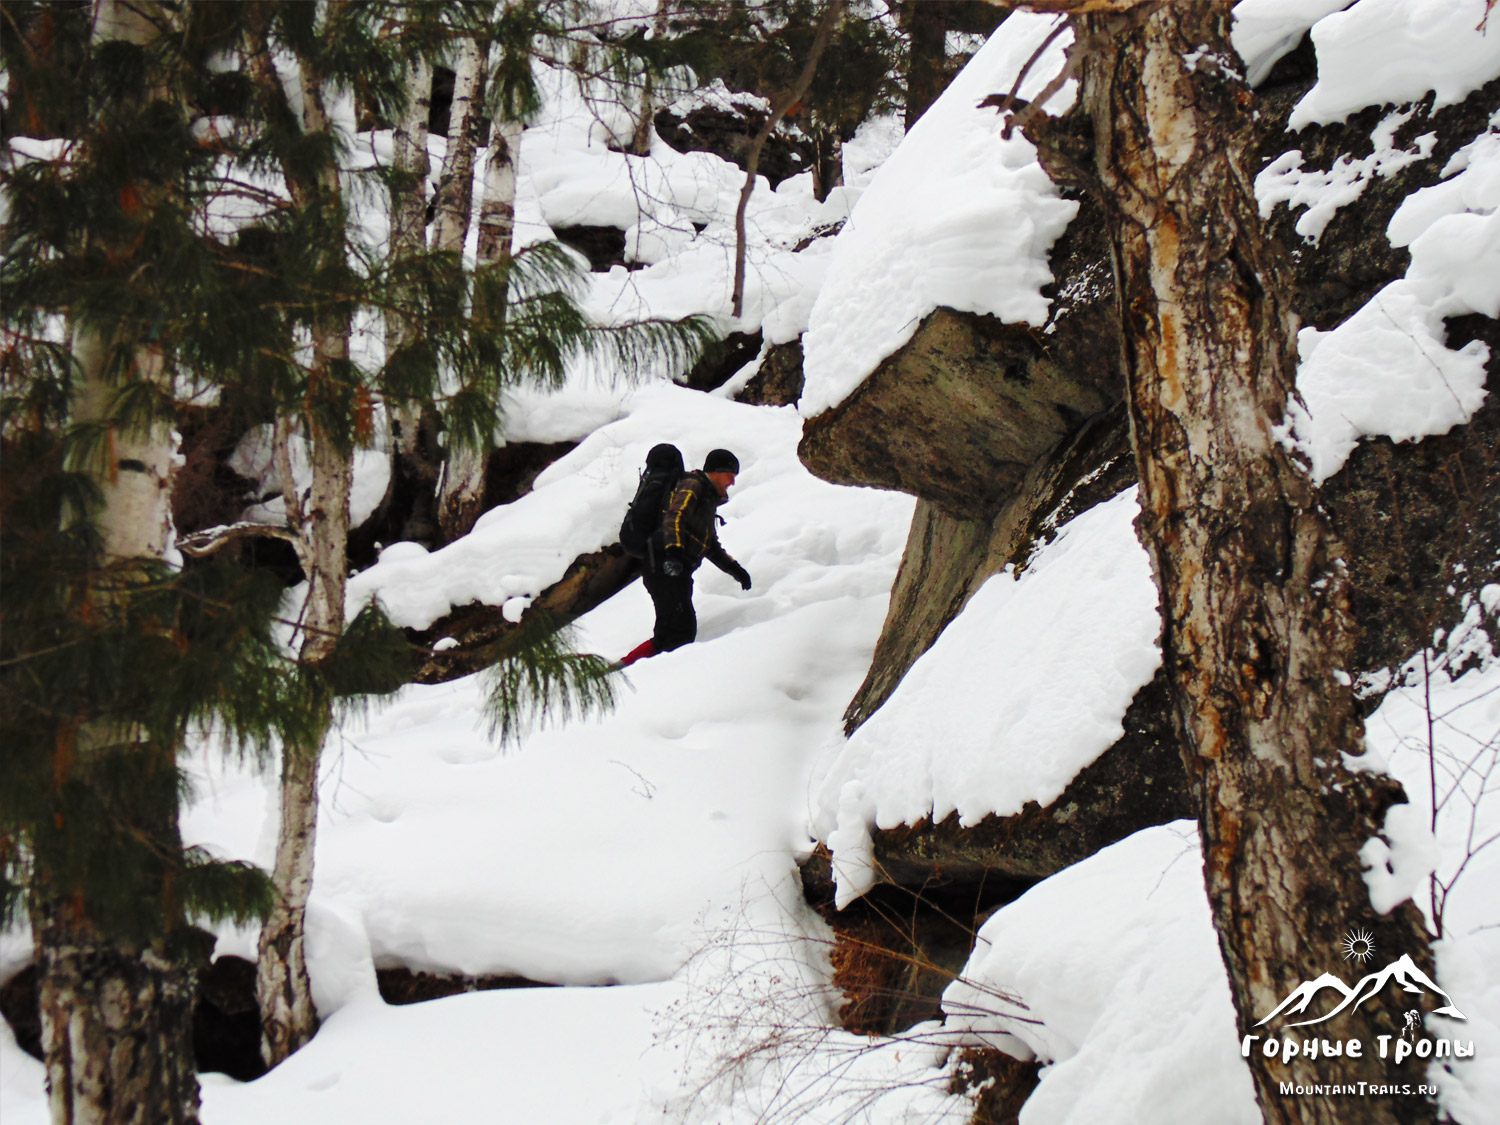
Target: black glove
pixel 673 564
pixel 740 575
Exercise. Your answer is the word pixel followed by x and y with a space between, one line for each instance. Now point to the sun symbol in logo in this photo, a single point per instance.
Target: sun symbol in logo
pixel 1359 945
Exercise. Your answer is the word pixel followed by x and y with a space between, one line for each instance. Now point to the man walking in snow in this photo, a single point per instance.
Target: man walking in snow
pixel 688 535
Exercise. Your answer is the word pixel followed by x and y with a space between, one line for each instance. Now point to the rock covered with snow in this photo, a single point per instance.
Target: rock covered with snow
pixel 1111 972
pixel 1378 52
pixel 1025 688
pixel 957 217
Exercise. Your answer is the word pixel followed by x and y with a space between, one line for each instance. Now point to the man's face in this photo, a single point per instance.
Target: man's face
pixel 723 482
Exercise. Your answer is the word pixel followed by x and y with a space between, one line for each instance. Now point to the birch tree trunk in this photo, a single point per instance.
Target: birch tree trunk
pixel 416 460
pixel 116 1027
pixel 320 523
pixel 135 478
pixel 455 193
pixel 645 120
pixel 461 485
pixel 116 1017
pixel 409 143
pixel 409 216
pixel 1256 620
pixel 461 496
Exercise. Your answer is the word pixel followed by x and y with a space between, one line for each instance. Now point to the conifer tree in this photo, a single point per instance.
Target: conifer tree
pixel 123 241
pixel 109 654
pixel 455 337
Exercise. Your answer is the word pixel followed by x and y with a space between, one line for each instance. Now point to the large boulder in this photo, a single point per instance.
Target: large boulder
pixel 973 418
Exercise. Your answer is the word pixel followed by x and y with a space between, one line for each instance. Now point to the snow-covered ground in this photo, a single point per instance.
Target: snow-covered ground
pixel 655 849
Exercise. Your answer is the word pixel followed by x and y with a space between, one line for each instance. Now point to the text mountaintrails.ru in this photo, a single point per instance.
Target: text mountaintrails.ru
pixel 1362 1089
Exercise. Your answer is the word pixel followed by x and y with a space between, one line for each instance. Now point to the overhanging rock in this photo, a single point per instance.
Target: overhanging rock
pixel 958 415
pixel 961 412
pixel 1138 782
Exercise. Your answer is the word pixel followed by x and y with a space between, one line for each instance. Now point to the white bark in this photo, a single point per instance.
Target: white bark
pixel 497 207
pixel 320 524
pixel 136 468
pixel 409 143
pixel 409 224
pixel 455 196
pixel 461 493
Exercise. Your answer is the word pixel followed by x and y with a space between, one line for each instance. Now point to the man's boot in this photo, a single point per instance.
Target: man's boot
pixel 640 652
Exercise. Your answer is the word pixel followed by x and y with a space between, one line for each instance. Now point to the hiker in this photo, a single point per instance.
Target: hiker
pixel 686 535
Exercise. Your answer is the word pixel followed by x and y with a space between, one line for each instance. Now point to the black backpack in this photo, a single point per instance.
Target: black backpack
pixel 642 519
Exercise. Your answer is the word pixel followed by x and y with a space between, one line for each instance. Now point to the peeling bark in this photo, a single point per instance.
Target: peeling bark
pixel 116 1029
pixel 1257 630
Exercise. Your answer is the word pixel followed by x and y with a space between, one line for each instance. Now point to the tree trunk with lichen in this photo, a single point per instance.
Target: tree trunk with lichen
pixel 1257 627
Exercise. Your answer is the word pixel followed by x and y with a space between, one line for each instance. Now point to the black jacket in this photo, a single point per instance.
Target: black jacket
pixel 689 524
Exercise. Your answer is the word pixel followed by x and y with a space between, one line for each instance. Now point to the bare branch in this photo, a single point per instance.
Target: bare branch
pixel 209 540
pixel 779 108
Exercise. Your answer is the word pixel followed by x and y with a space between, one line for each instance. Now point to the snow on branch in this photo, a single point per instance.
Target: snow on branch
pixel 209 540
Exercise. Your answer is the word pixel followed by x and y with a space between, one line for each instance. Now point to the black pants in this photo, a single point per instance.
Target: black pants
pixel 676 623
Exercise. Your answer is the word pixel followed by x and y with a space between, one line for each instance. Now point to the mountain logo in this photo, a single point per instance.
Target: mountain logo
pixel 1401 971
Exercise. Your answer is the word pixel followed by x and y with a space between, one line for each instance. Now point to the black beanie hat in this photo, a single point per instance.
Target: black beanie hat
pixel 721 461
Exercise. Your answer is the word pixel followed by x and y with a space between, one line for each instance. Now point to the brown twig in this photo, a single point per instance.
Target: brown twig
pixel 779 107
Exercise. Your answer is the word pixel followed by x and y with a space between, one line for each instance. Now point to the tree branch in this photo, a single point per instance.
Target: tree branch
pixel 210 539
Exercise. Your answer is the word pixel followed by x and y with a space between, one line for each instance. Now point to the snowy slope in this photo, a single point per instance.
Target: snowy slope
pixel 449 851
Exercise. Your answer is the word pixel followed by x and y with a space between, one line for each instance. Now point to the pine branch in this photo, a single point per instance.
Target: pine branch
pixel 224 890
pixel 537 678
